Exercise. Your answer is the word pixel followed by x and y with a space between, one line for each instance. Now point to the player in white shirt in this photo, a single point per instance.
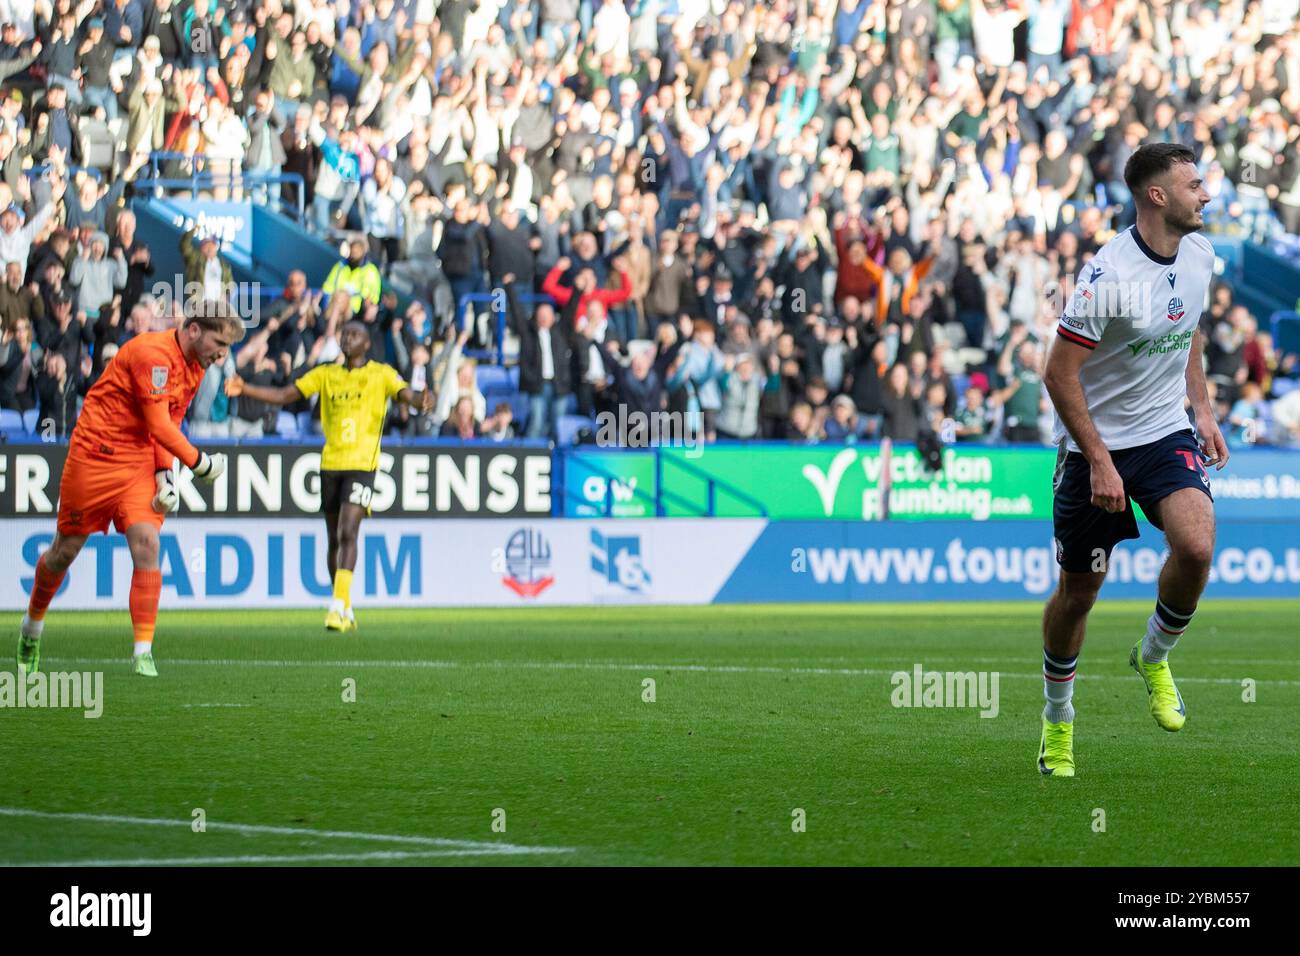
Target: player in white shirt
pixel 1126 362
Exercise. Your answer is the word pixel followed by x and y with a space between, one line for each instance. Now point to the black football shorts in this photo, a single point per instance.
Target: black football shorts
pixel 1150 473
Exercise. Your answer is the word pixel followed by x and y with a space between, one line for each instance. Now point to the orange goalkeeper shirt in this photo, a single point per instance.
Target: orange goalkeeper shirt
pixel 134 411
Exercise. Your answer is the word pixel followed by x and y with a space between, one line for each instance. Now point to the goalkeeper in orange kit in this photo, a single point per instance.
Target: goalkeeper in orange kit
pixel 119 465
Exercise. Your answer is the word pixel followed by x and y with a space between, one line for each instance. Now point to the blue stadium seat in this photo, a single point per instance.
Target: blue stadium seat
pixel 492 377
pixel 513 372
pixel 30 418
pixel 1285 327
pixel 566 431
pixel 519 405
pixel 304 423
pixel 571 404
pixel 286 425
pixel 517 401
pixel 11 422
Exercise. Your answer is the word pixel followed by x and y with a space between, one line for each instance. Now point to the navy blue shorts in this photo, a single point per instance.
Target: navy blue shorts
pixel 1149 472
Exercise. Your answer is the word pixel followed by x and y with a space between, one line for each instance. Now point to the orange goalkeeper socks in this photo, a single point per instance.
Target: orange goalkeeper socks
pixel 44 588
pixel 146 586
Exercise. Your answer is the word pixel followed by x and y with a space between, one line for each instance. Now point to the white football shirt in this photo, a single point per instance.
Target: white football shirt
pixel 1136 311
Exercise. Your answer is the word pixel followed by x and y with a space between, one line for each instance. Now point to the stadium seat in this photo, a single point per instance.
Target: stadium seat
pixel 519 405
pixel 492 378
pixel 1285 327
pixel 513 372
pixel 304 423
pixel 568 427
pixel 493 393
pixel 571 404
pixel 11 422
pixel 286 425
pixel 517 401
pixel 30 418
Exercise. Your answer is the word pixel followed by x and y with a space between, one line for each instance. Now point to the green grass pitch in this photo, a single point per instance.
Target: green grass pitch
pixel 535 718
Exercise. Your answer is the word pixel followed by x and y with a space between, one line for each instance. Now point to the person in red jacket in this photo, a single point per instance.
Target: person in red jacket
pixel 856 244
pixel 584 286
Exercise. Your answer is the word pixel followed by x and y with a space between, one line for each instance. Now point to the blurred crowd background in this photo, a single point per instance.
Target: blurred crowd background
pixel 805 220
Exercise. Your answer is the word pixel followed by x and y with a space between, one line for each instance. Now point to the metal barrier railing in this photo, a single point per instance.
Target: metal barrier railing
pixel 712 486
pixel 461 318
pixel 202 178
pixel 662 498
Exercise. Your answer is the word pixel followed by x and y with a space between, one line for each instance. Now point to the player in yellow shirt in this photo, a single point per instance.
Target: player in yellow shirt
pixel 354 396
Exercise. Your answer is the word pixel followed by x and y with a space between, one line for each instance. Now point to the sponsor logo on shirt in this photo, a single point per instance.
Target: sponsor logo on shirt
pixel 1171 342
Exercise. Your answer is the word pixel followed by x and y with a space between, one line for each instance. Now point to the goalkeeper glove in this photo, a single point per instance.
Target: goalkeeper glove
pixel 209 467
pixel 167 499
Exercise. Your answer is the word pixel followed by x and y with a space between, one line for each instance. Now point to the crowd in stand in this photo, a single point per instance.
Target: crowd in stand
pixel 806 220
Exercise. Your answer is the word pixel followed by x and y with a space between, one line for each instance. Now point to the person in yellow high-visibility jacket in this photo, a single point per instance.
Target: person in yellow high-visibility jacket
pixel 357 276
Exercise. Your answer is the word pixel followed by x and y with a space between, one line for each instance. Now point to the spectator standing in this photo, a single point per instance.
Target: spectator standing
pixel 357 275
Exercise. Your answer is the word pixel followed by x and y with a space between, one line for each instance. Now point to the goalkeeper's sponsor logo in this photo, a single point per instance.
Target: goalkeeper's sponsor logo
pixel 921 688
pixel 77 909
pixel 70 690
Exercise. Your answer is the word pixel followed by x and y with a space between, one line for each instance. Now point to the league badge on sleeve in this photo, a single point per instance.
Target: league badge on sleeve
pixel 159 379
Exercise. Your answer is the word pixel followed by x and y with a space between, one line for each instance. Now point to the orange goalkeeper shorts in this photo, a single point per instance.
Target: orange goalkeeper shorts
pixel 94 492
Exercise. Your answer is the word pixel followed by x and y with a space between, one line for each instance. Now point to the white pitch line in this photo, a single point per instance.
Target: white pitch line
pixel 928 659
pixel 469 845
pixel 621 666
pixel 1235 661
pixel 380 855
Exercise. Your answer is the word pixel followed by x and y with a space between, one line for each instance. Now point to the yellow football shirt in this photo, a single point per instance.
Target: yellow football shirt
pixel 353 406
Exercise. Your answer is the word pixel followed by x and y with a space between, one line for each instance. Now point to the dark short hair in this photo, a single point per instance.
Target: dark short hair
pixel 1150 161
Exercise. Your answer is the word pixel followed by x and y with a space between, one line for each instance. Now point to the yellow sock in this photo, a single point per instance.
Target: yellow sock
pixel 343 586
